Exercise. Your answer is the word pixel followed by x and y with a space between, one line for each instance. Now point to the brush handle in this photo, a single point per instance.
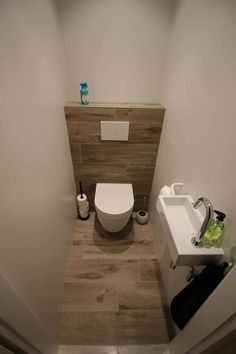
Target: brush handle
pixel 81 191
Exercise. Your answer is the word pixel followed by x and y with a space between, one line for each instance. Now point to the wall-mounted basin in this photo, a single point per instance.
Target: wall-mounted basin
pixel 180 223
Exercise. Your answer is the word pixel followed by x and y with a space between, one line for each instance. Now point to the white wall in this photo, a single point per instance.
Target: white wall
pixel 37 186
pixel 117 46
pixel 198 145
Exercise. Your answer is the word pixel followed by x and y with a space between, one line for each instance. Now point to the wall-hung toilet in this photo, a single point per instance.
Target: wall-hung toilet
pixel 114 204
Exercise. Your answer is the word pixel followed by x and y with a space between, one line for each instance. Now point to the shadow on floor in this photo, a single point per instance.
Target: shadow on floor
pixel 113 242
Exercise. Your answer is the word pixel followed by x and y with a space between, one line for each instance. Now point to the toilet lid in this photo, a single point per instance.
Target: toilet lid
pixel 114 198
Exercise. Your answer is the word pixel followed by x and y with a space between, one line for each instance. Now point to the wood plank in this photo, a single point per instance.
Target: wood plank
pixel 143 115
pixel 90 132
pixel 142 232
pixel 99 172
pixel 114 105
pixel 87 296
pixel 119 249
pixel 119 153
pixel 150 270
pixel 139 349
pixel 97 232
pixel 84 229
pixel 93 114
pixel 140 296
pixel 76 152
pixel 140 175
pixel 90 349
pixel 137 171
pixel 142 133
pixel 112 328
pixel 102 270
pixel 134 241
pixel 84 131
pixel 92 229
pixel 76 250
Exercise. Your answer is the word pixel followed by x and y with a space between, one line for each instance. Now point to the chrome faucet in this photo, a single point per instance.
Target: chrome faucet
pixel 209 216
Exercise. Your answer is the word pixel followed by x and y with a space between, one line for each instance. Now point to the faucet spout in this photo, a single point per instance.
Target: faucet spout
pixel 209 216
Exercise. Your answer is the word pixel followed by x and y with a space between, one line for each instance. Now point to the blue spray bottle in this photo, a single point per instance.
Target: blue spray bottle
pixel 84 92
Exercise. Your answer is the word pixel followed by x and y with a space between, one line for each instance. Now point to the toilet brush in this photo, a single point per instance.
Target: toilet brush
pixel 81 191
pixel 142 215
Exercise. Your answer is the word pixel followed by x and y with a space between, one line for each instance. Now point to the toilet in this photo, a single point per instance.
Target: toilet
pixel 114 203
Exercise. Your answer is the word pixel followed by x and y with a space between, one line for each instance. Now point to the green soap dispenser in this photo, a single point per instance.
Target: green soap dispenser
pixel 214 235
pixel 217 235
pixel 206 240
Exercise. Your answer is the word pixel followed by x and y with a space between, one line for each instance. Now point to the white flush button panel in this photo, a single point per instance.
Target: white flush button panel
pixel 114 130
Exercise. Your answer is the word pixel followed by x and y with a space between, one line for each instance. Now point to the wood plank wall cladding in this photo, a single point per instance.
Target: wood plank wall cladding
pixel 131 161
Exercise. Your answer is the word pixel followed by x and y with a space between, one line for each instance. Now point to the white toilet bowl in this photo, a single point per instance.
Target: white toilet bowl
pixel 114 204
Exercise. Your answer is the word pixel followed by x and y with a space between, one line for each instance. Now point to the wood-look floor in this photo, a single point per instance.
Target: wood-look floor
pixel 127 349
pixel 112 292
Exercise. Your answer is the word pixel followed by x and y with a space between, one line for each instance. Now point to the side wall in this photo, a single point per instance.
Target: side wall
pixel 198 145
pixel 37 188
pixel 117 46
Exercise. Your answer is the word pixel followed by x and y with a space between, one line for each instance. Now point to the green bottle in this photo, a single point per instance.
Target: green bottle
pixel 214 235
pixel 206 240
pixel 217 235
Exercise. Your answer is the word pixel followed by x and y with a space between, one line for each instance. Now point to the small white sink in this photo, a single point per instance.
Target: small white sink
pixel 180 223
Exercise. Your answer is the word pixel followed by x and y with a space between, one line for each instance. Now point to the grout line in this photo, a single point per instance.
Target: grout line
pixel 107 281
pixel 129 312
pixel 134 260
pixel 114 311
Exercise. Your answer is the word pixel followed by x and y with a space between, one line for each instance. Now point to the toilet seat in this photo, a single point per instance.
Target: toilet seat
pixel 114 199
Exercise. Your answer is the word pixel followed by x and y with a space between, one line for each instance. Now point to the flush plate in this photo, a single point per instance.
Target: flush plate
pixel 180 222
pixel 113 130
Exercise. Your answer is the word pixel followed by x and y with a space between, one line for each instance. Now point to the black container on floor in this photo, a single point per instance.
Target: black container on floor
pixel 190 299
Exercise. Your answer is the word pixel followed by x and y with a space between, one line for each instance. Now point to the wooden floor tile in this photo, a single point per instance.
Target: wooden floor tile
pixel 140 296
pixel 112 328
pixel 87 349
pixel 82 296
pixel 150 270
pixel 92 229
pixel 113 293
pixel 102 270
pixel 120 249
pixel 143 231
pixel 76 250
pixel 133 242
pixel 84 229
pixel 141 349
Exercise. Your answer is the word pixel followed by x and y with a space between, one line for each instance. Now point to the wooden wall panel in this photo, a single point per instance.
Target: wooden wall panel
pixel 84 131
pixel 118 153
pixel 115 162
pixel 142 115
pixel 147 133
